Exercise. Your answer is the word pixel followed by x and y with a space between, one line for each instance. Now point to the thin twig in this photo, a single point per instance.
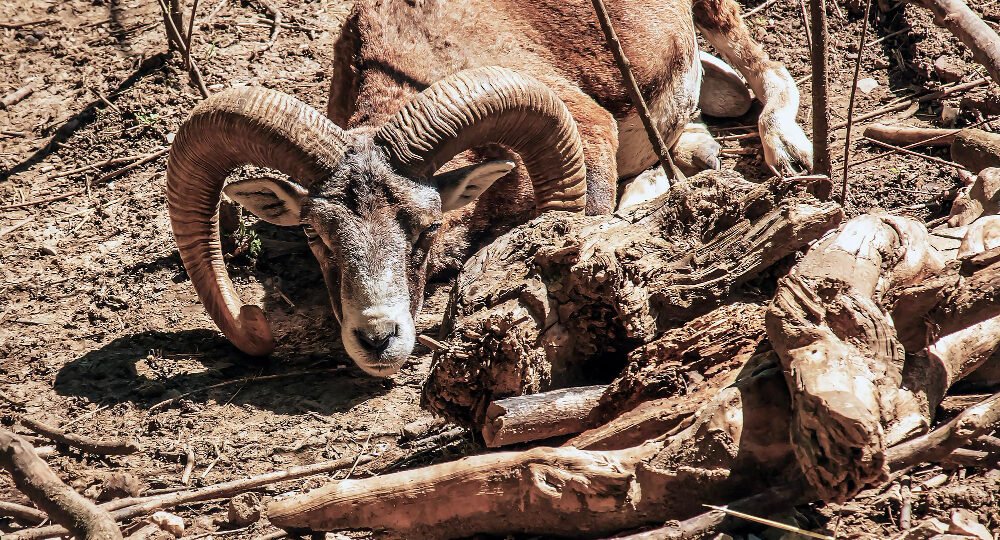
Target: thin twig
pixel 922 99
pixel 46 200
pixel 190 34
pixel 755 10
pixel 770 522
pixel 246 380
pixel 902 150
pixel 146 159
pixel 850 104
pixel 918 143
pixel 17 225
pixel 632 87
pixel 805 20
pixel 14 26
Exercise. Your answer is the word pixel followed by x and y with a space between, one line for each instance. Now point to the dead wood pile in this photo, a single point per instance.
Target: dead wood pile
pixel 743 366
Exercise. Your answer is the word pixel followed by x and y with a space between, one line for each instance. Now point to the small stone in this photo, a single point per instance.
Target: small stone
pixel 867 84
pixel 244 509
pixel 168 522
pixel 48 248
pixel 948 69
pixel 118 485
pixel 949 115
pixel 966 523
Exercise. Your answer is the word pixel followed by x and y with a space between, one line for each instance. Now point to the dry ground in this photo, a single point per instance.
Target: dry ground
pixel 98 321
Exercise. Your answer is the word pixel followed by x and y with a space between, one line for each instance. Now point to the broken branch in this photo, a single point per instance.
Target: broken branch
pixel 67 507
pixel 107 447
pixel 540 416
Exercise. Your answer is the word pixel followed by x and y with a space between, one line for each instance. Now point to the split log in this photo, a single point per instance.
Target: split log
pixel 737 443
pixel 910 136
pixel 968 27
pixel 541 416
pixel 533 310
pixel 64 505
pixel 838 345
pixel 976 149
pixel 704 353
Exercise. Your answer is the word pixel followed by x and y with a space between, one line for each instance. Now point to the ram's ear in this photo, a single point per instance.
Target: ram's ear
pixel 461 186
pixel 275 201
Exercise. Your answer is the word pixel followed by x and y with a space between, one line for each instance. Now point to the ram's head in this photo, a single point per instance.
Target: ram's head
pixel 368 199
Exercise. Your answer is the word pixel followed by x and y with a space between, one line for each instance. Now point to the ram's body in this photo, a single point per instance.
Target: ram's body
pixel 462 86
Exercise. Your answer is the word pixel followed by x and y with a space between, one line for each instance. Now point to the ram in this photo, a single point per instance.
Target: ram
pixel 432 103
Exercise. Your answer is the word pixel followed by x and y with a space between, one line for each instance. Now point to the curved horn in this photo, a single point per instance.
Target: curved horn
pixel 237 127
pixel 493 105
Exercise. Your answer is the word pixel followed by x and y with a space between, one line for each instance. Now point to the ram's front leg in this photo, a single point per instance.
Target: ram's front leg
pixel 787 149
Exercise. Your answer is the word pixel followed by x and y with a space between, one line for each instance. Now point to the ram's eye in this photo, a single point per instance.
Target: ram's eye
pixel 310 232
pixel 424 240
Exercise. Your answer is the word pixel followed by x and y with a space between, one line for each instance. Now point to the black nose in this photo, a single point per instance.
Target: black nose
pixel 377 341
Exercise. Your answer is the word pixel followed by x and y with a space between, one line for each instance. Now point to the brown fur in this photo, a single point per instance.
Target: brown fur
pixel 389 50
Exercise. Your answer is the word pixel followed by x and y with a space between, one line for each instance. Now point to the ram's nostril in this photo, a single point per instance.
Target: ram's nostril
pixel 376 342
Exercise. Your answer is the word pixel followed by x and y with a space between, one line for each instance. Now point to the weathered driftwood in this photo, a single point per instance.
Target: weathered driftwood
pixel 64 505
pixel 541 416
pixel 976 149
pixel 838 344
pixel 536 309
pixel 982 40
pixel 910 136
pixel 979 199
pixel 736 443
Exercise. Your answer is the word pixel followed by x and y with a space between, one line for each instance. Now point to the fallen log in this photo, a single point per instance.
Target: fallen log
pixel 531 311
pixel 108 447
pixel 910 136
pixel 64 505
pixel 541 416
pixel 843 362
pixel 976 149
pixel 968 27
pixel 737 443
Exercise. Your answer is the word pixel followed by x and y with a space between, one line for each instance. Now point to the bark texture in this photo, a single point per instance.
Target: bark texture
pixel 976 149
pixel 559 302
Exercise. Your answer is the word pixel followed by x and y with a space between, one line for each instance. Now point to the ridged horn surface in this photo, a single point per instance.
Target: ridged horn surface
pixel 237 127
pixel 493 105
